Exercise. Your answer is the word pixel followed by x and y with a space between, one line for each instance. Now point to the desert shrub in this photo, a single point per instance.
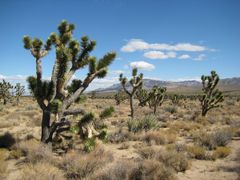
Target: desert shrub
pixel 221 152
pixel 7 140
pixel 171 109
pixel 35 151
pixel 222 137
pixel 119 136
pixel 212 140
pixel 107 112
pixel 82 166
pixel 89 144
pixel 117 170
pixel 158 138
pixel 146 123
pixel 40 171
pixel 152 169
pixel 196 152
pixel 178 161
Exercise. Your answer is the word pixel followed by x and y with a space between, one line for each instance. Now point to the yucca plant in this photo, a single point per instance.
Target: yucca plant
pixel 71 55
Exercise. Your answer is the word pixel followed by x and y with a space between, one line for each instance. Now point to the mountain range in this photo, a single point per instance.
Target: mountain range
pixel 227 84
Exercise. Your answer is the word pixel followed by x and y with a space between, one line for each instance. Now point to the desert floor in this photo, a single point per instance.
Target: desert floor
pixel 181 145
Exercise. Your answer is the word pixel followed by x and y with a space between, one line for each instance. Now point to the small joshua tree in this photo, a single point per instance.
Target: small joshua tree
pixel 143 96
pixel 19 91
pixel 53 96
pixel 175 99
pixel 136 82
pixel 156 97
pixel 211 96
pixel 119 97
pixel 5 91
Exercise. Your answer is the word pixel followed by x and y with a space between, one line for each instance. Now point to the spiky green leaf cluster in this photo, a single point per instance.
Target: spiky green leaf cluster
pixel 107 112
pixel 43 90
pixel 143 97
pixel 87 118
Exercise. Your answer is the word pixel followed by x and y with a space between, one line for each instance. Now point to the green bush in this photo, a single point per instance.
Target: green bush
pixel 171 109
pixel 107 112
pixel 89 144
pixel 146 123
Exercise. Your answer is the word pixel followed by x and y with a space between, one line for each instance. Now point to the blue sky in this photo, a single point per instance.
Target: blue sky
pixel 166 39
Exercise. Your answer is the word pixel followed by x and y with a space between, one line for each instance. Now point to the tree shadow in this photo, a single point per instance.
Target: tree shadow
pixel 7 140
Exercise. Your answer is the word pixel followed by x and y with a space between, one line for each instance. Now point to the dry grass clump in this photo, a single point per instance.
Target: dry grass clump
pixel 120 136
pixel 221 152
pixel 144 170
pixel 3 164
pixel 184 125
pixel 159 138
pixel 35 151
pixel 220 137
pixel 177 161
pixel 82 166
pixel 40 171
pixel 196 152
pixel 117 170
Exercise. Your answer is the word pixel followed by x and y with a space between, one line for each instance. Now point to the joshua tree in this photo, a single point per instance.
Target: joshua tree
pixel 175 99
pixel 211 96
pixel 143 96
pixel 156 97
pixel 119 97
pixel 136 82
pixel 71 56
pixel 5 91
pixel 19 91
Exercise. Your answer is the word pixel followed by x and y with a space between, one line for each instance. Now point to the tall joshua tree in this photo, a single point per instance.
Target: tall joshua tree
pixel 156 97
pixel 5 92
pixel 19 91
pixel 136 82
pixel 70 56
pixel 211 96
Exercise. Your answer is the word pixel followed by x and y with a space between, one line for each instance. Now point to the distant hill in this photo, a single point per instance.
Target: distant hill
pixel 228 84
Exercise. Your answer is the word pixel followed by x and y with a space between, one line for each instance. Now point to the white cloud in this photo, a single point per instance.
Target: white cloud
pixel 142 65
pixel 186 79
pixel 159 55
pixel 200 57
pixel 116 72
pixel 184 56
pixel 139 44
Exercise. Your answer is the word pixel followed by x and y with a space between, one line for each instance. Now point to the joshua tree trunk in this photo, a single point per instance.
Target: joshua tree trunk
pixel 45 125
pixel 155 110
pixel 131 106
